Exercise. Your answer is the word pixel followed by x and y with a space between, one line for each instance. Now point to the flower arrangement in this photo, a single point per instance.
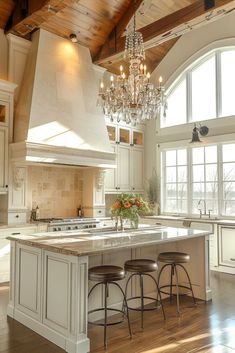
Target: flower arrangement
pixel 129 206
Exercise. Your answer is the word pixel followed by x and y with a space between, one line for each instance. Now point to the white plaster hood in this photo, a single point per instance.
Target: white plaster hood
pixel 57 120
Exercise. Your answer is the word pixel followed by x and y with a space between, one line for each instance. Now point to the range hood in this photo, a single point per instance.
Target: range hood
pixel 56 117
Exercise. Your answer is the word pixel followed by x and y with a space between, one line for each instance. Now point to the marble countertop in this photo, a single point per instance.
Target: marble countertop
pixel 82 243
pixel 226 222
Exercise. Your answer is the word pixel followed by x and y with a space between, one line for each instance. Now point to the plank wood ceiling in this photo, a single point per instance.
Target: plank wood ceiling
pixel 98 24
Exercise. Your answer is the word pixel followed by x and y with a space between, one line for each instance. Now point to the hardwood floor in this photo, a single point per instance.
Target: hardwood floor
pixel 206 328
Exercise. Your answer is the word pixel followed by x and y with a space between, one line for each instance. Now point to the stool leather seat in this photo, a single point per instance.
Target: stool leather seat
pixel 173 257
pixel 106 273
pixel 140 265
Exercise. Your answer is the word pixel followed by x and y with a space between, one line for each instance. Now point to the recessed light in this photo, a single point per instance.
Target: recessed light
pixel 73 38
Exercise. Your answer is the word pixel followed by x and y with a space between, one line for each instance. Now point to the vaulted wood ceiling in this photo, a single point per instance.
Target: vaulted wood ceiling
pixel 100 24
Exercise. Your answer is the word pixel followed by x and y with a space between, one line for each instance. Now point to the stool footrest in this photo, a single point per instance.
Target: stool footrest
pixel 175 286
pixel 110 323
pixel 145 309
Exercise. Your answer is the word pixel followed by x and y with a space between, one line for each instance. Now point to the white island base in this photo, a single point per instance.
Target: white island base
pixel 49 283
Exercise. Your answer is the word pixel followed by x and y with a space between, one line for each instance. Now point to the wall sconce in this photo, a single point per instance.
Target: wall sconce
pixel 73 38
pixel 197 132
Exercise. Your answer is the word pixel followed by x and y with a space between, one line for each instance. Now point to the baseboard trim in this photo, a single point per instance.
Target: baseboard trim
pixel 70 346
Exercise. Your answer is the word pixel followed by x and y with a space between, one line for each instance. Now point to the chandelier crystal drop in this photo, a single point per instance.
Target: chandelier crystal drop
pixel 134 98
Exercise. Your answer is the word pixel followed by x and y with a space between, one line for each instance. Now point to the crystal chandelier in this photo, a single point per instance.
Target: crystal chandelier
pixel 133 99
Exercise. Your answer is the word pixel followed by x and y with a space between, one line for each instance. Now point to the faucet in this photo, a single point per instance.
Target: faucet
pixel 199 207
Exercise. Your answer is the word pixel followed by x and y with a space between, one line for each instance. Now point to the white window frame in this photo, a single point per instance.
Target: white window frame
pixel 187 72
pixel 189 173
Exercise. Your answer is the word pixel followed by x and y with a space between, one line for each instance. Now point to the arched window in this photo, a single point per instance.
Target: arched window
pixel 205 90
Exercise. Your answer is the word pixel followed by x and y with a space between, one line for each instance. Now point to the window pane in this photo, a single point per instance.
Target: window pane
pixel 204 91
pixel 171 157
pixel 198 173
pixel 171 174
pixel 228 79
pixel 176 112
pixel 182 191
pixel 211 154
pixel 211 172
pixel 198 191
pixel 171 205
pixel 182 174
pixel 229 208
pixel 170 191
pixel 211 191
pixel 195 206
pixel 198 155
pixel 182 157
pixel 229 191
pixel 229 171
pixel 182 206
pixel 229 153
pixel 212 205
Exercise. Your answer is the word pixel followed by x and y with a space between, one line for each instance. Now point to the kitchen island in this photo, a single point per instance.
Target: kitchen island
pixel 49 275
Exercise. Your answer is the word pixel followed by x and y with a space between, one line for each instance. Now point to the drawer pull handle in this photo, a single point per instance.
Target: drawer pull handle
pixel 15 233
pixel 232 259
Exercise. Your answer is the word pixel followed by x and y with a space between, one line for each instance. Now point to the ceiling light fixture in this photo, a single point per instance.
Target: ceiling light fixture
pixel 73 38
pixel 197 132
pixel 133 99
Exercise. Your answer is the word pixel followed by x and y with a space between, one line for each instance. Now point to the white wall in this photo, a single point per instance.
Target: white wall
pixel 190 46
pixel 3 56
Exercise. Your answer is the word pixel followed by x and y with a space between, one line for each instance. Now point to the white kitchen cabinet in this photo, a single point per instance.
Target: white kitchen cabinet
pixel 5 248
pixel 3 159
pixel 227 249
pixel 128 144
pixel 6 124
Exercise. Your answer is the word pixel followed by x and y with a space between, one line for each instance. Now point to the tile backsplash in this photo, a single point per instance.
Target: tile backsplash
pixel 57 191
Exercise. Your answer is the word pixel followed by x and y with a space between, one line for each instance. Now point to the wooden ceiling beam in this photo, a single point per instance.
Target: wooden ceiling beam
pixel 166 28
pixel 29 15
pixel 110 44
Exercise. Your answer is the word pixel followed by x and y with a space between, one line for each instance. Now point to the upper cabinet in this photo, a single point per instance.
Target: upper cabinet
pixel 6 124
pixel 128 144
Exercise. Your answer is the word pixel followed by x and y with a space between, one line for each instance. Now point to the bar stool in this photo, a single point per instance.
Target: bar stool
pixel 140 268
pixel 108 275
pixel 174 260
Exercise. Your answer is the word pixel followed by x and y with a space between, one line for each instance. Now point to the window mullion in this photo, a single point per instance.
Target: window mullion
pixel 220 178
pixel 190 182
pixel 218 84
pixel 163 174
pixel 189 96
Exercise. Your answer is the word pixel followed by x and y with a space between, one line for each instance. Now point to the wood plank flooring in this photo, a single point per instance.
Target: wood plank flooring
pixel 206 328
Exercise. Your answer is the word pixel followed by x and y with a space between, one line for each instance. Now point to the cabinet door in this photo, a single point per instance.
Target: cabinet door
pixel 3 159
pixel 123 168
pixel 110 175
pixel 137 169
pixel 4 259
pixel 227 247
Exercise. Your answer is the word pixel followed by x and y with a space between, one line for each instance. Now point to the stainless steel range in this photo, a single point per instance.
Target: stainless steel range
pixel 61 224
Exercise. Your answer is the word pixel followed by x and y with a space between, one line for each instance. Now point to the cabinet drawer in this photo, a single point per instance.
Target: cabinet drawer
pixel 99 212
pixel 17 218
pixel 227 247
